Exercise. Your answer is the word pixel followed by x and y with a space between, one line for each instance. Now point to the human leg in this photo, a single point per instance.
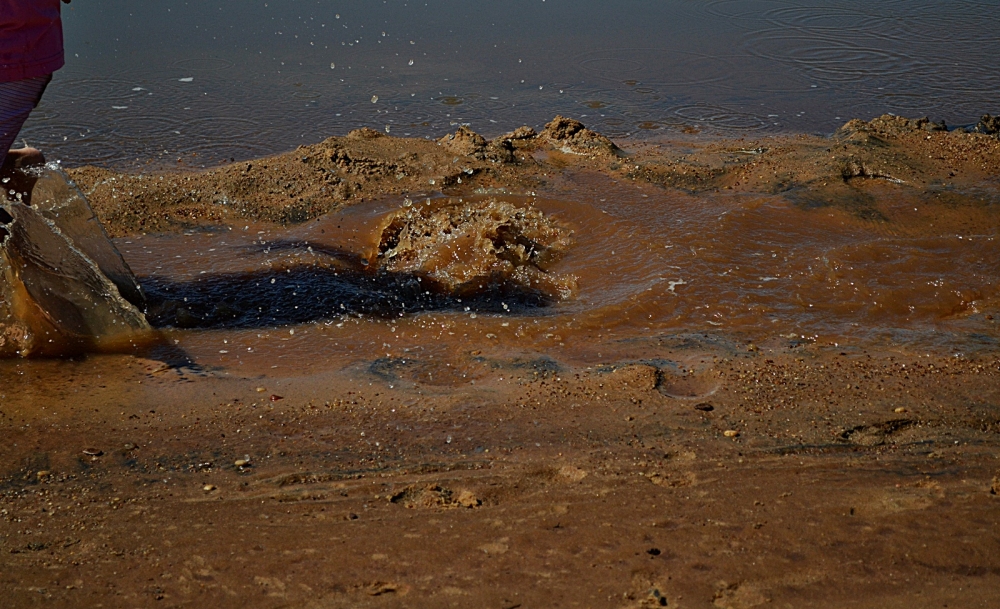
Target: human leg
pixel 17 100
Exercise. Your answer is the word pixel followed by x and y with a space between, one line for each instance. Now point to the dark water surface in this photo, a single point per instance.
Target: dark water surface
pixel 218 79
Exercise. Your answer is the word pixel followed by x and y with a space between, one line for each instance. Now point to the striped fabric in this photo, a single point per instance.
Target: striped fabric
pixel 17 100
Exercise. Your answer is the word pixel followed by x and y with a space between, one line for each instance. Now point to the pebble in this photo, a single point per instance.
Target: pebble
pixel 242 462
pixel 900 409
pixel 93 452
pixel 261 389
pixel 730 433
pixel 275 398
pixel 468 499
pixel 208 488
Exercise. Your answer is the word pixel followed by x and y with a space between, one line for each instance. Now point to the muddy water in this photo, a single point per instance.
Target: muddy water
pixel 645 267
pixel 202 82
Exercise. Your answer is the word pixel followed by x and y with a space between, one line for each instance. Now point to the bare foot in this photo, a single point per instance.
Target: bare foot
pixel 23 157
pixel 17 184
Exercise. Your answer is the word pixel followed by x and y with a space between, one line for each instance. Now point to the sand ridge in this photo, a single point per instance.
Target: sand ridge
pixel 913 155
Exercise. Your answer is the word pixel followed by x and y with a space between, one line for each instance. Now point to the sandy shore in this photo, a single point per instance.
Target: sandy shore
pixel 785 474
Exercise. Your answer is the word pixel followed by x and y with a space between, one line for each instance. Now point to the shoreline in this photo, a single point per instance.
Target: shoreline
pixel 921 157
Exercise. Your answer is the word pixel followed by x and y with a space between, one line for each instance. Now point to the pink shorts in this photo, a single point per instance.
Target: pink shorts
pixel 17 100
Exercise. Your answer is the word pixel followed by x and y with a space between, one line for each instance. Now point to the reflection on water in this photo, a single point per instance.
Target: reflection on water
pixel 202 82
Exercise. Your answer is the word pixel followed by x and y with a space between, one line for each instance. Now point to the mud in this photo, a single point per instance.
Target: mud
pixel 921 158
pixel 319 431
pixel 917 156
pixel 294 187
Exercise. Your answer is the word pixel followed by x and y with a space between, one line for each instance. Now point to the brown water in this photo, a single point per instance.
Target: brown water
pixel 646 267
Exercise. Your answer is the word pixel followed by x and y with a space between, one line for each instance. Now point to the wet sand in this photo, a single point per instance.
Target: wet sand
pixel 920 157
pixel 606 466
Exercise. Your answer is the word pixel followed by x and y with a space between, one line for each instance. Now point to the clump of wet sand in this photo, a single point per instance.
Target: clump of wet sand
pixel 302 184
pixel 468 247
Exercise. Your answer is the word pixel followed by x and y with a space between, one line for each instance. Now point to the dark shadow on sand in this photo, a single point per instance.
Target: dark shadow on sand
pixel 306 294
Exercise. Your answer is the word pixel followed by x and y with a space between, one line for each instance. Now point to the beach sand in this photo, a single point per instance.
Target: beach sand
pixel 672 469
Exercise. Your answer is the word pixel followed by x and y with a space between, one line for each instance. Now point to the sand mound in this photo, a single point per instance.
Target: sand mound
pixel 570 135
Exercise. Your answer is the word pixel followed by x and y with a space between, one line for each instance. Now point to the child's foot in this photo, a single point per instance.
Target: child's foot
pixel 16 184
pixel 19 158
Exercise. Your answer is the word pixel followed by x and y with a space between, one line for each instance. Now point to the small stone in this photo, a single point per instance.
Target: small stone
pixel 261 389
pixel 899 410
pixel 468 499
pixel 571 473
pixel 130 446
pixel 208 488
pixel 275 398
pixel 242 462
pixel 704 407
pixel 44 473
pixel 730 433
pixel 995 489
pixel 93 452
